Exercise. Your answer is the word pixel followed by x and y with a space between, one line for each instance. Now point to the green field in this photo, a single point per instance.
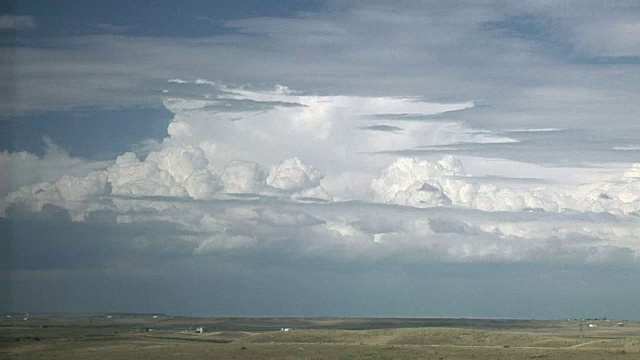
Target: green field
pixel 126 336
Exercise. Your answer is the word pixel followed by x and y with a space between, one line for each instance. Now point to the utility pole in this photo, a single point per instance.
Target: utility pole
pixel 581 333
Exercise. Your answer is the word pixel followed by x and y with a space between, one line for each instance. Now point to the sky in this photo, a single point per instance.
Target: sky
pixel 321 158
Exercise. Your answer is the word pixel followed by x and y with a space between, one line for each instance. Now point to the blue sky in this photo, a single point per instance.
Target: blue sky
pixel 89 133
pixel 321 158
pixel 147 18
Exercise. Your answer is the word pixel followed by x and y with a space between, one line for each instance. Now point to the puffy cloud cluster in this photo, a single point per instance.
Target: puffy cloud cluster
pixel 428 184
pixel 622 197
pixel 294 175
pixel 75 188
pixel 202 184
pixel 23 168
pixel 633 173
pixel 79 195
pixel 242 177
pixel 180 161
pixel 364 231
pixel 130 176
pixel 181 171
pixel 34 197
pixel 493 198
pixel 175 170
pixel 196 163
pixel 415 183
pixel 30 182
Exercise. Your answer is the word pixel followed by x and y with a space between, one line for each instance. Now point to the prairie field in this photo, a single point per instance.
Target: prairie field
pixel 125 336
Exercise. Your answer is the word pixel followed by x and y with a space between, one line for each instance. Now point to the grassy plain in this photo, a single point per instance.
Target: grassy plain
pixel 126 336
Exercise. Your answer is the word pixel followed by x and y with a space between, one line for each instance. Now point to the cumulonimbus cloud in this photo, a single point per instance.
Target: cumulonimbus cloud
pixel 295 208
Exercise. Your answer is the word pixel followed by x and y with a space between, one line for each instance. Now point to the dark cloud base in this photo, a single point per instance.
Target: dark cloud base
pixel 54 265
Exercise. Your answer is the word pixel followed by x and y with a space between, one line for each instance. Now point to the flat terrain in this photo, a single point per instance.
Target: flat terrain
pixel 128 336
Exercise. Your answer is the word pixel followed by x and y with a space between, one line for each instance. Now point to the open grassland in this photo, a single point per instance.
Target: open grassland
pixel 164 337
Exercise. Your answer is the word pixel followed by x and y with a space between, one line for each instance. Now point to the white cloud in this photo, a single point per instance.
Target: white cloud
pixel 371 51
pixel 317 193
pixel 539 183
pixel 633 173
pixel 75 188
pixel 23 168
pixel 202 185
pixel 428 184
pixel 78 194
pixel 266 126
pixel 454 210
pixel 627 148
pixel 294 175
pixel 410 182
pixel 243 177
pixel 175 171
pixel 34 197
pixel 217 243
pixel 179 160
pixel 130 176
pixel 542 130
